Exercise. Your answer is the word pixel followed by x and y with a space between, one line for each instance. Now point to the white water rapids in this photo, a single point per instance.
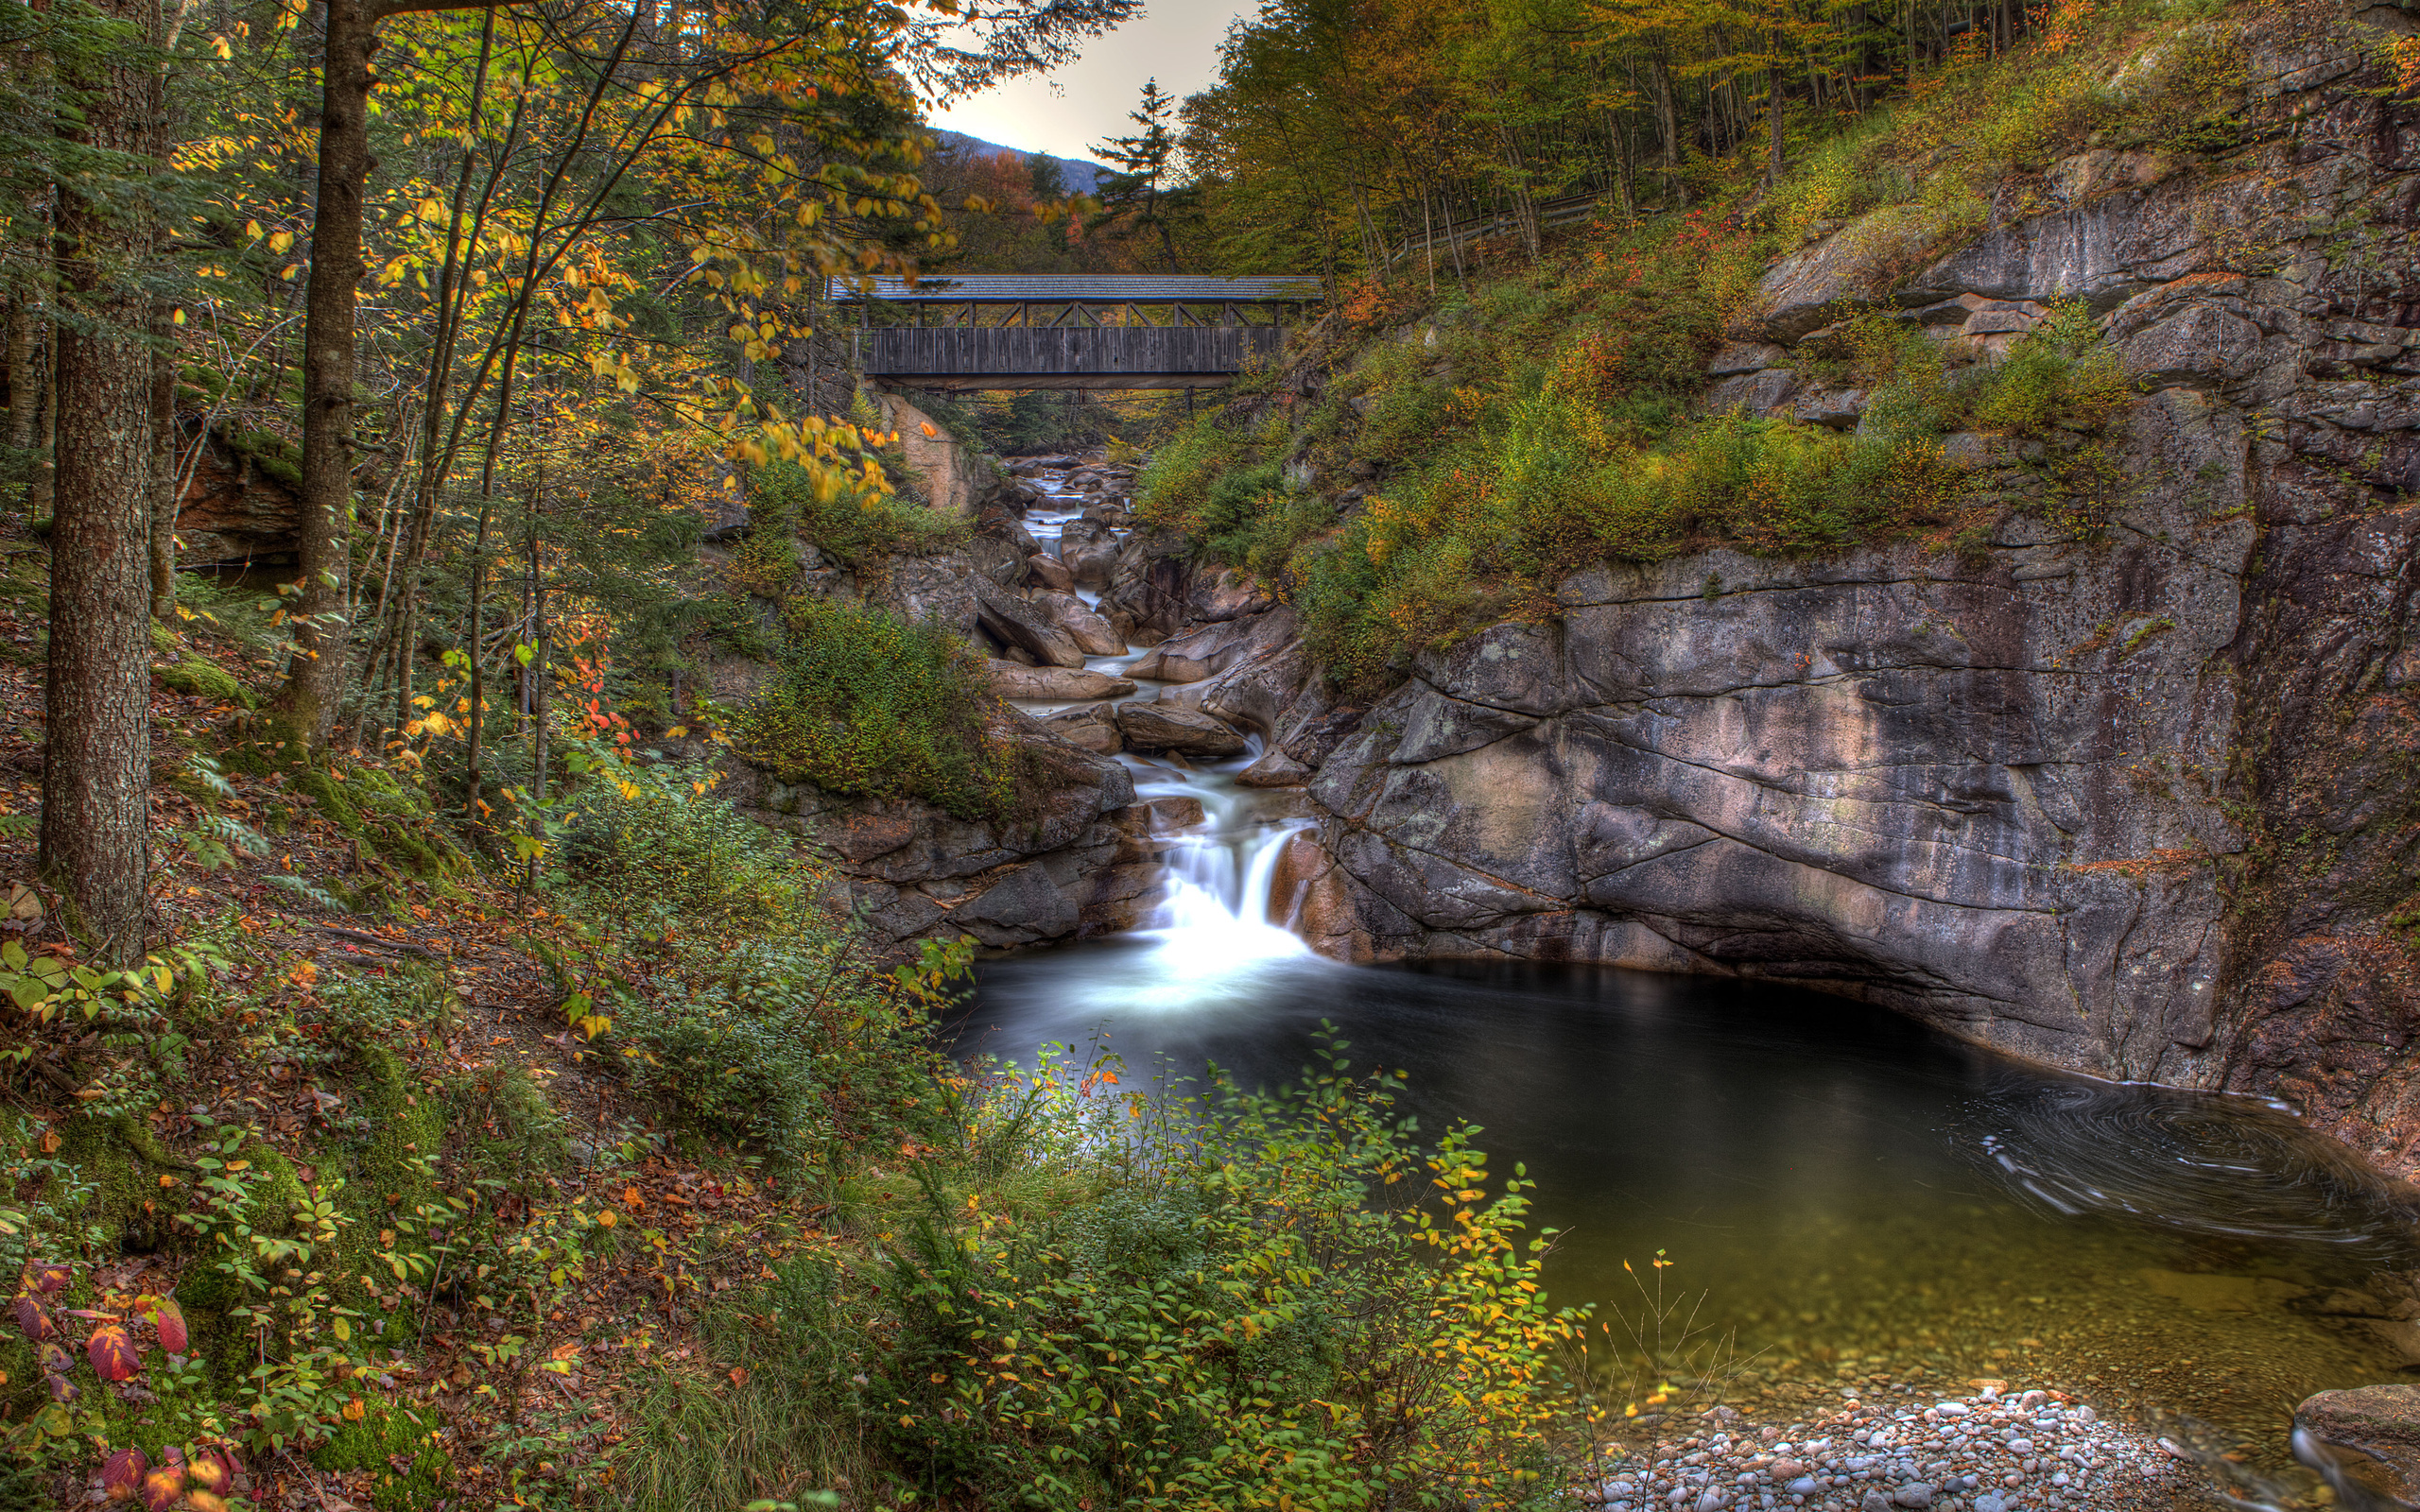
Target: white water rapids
pixel 1210 938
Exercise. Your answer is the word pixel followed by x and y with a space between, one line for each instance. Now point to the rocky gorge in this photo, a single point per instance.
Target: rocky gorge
pixel 2120 782
pixel 2135 799
pixel 2131 796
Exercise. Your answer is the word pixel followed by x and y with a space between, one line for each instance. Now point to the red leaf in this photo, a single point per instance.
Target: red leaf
pixel 61 1389
pixel 112 1353
pixel 46 1279
pixel 122 1474
pixel 162 1488
pixel 170 1321
pixel 31 1318
pixel 214 1469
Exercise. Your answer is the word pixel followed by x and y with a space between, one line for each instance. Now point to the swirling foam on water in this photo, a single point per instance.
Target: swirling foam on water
pixel 2192 1161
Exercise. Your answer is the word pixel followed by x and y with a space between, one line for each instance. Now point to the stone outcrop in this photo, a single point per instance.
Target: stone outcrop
pixel 241 504
pixel 918 872
pixel 1010 681
pixel 952 477
pixel 2128 790
pixel 1168 727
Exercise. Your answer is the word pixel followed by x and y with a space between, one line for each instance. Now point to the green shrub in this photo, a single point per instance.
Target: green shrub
pixel 655 846
pixel 867 704
pixel 850 524
pixel 790 1042
pixel 1268 1299
pixel 2057 376
pixel 1175 485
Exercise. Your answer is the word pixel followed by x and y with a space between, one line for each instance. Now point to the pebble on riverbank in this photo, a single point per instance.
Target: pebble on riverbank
pixel 1991 1452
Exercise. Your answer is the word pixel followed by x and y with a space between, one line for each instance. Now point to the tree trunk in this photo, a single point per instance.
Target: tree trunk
pixel 307 703
pixel 163 468
pixel 24 391
pixel 96 744
pixel 42 476
pixel 1772 117
pixel 1667 121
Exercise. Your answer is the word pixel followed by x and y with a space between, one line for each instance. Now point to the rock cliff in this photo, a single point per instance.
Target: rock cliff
pixel 2135 795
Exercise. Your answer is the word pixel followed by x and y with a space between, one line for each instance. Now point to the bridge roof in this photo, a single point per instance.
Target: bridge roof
pixel 1017 288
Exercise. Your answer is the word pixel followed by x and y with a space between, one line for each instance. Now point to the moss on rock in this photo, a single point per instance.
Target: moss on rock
pixel 207 679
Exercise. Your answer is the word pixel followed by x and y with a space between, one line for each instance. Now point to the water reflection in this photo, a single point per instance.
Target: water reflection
pixel 1862 1196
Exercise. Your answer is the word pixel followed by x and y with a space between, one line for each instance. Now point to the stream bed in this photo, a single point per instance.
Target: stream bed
pixel 1863 1202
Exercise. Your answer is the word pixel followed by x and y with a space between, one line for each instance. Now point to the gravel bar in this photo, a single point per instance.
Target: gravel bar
pixel 1988 1452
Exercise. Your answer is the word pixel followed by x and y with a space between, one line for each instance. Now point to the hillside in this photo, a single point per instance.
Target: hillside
pixel 1943 577
pixel 1081 175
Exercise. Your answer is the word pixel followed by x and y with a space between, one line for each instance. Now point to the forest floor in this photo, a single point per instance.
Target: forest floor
pixel 511 1420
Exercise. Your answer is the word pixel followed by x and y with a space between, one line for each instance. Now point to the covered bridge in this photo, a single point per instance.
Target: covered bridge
pixel 1004 331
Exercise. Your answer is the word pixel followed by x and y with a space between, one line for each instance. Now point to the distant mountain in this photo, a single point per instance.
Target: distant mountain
pixel 1083 176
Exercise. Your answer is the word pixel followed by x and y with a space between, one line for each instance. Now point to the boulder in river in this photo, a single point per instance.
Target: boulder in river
pixel 1153 726
pixel 1208 649
pixel 1274 770
pixel 1049 572
pixel 1148 586
pixel 1092 726
pixel 2382 1422
pixel 1010 680
pixel 1090 550
pixel 1012 621
pixel 1087 630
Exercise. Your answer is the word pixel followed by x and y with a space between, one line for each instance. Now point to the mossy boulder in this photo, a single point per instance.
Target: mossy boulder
pixel 207 679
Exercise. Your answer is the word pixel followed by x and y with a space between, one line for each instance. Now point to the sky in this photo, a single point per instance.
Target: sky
pixel 1064 112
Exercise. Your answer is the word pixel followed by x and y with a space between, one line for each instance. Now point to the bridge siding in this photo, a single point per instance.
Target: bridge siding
pixel 1107 351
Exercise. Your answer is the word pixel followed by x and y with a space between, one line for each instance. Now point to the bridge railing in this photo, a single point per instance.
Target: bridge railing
pixel 1116 356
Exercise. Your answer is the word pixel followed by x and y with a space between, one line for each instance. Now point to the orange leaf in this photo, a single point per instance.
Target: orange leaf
pixel 162 1487
pixel 214 1469
pixel 740 1374
pixel 112 1353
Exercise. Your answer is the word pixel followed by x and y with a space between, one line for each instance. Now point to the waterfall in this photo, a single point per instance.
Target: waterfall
pixel 1216 913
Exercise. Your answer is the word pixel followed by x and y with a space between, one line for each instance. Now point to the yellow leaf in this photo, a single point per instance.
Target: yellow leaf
pixel 279 241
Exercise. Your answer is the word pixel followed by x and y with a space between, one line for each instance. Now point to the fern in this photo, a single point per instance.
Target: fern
pixel 216 838
pixel 308 891
pixel 205 771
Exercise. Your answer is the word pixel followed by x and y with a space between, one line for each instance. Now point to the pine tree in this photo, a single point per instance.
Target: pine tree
pixel 1139 192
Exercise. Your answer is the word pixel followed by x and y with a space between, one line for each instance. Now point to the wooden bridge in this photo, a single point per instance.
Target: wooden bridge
pixel 1108 331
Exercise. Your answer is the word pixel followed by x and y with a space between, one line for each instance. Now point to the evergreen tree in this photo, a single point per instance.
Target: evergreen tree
pixel 1140 193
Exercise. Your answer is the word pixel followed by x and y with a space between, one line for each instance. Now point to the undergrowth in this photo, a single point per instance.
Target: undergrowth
pixel 866 703
pixel 1547 424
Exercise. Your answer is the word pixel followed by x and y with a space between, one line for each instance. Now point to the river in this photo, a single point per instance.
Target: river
pixel 1861 1201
